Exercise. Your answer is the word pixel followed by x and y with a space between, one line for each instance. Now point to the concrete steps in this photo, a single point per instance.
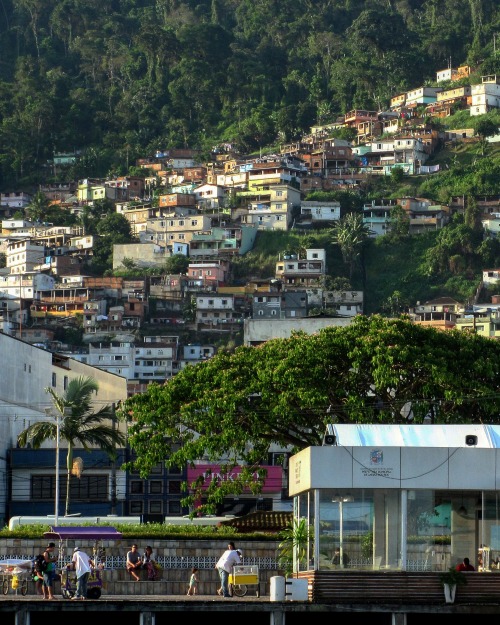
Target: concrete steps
pixel 172 582
pixel 140 588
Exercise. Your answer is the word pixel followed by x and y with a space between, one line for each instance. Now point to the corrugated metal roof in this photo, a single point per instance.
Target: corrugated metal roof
pixel 375 435
pixel 261 521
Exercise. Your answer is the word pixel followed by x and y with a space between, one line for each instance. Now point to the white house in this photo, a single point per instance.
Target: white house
pixel 491 276
pixel 320 212
pixel 485 96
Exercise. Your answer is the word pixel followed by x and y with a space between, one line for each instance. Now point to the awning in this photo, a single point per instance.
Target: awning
pixel 421 435
pixel 82 533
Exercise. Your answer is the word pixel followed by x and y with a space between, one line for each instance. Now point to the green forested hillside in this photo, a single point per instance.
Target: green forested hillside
pixel 119 79
pixel 393 271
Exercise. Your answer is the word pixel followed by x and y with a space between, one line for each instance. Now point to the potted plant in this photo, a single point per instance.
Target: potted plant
pixel 450 580
pixel 292 550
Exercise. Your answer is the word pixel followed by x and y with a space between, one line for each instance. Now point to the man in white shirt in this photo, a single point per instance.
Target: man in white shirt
pixel 82 564
pixel 225 565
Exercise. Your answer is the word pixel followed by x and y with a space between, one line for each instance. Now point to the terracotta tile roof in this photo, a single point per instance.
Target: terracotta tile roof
pixel 261 521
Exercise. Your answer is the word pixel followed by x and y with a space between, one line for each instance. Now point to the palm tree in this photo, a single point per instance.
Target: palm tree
pixel 292 549
pixel 79 425
pixel 350 234
pixel 38 207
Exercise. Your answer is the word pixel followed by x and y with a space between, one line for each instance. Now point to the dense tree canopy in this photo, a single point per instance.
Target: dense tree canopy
pixel 120 79
pixel 284 392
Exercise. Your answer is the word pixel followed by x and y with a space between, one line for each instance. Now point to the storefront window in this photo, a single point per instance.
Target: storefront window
pixel 346 529
pixel 413 530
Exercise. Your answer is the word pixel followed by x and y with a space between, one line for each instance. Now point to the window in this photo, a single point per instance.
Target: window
pixel 174 487
pixel 174 507
pixel 155 487
pixel 136 507
pixel 42 487
pixel 89 487
pixel 175 471
pixel 157 469
pixel 136 487
pixel 54 380
pixel 65 383
pixel 156 507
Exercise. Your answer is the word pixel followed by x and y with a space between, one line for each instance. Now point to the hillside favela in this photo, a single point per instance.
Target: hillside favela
pixel 250 294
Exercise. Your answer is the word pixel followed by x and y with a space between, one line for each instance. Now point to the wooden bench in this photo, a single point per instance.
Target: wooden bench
pixel 401 587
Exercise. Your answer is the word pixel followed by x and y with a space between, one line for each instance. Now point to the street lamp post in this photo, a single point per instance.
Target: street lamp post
pixel 341 499
pixel 56 511
pixel 57 417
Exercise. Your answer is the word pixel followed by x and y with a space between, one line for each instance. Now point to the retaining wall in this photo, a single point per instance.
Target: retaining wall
pixel 176 557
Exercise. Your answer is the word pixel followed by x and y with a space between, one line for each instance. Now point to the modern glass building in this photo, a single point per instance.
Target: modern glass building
pixel 400 497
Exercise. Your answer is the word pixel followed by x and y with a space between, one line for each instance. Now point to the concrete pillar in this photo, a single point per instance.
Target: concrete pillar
pixel 22 617
pixel 277 618
pixel 147 618
pixel 398 618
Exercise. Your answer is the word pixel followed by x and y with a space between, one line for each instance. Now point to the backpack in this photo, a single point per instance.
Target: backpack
pixel 40 563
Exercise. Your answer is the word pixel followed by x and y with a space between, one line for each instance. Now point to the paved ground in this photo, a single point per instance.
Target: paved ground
pixel 250 597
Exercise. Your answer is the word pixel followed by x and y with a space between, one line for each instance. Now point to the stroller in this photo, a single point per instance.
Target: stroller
pixel 68 577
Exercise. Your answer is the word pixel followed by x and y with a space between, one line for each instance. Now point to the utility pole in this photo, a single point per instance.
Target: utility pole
pixel 113 467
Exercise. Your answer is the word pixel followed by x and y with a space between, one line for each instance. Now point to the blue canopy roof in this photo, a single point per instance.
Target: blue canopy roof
pixel 423 435
pixel 82 533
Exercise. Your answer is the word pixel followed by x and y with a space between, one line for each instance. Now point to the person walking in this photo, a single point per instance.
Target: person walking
pixel 193 582
pixel 224 566
pixel 49 575
pixel 82 564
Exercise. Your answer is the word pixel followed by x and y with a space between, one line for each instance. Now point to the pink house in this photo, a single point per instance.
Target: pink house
pixel 210 272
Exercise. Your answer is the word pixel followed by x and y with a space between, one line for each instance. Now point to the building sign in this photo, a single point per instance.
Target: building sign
pixel 298 464
pixel 272 483
pixel 376 467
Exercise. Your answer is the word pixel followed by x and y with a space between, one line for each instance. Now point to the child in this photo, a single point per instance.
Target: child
pixel 193 582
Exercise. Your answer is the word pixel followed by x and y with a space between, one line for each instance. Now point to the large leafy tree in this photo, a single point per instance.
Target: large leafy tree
pixel 284 392
pixel 79 425
pixel 114 229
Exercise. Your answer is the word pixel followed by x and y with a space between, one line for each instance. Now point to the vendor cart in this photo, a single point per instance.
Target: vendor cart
pixel 80 535
pixel 94 584
pixel 15 574
pixel 243 576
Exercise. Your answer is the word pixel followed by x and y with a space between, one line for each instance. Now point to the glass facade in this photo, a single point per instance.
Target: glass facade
pixel 391 529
